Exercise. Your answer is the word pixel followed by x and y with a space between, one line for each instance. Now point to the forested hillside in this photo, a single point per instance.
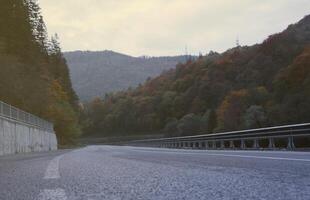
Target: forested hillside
pixel 34 74
pixel 97 73
pixel 245 87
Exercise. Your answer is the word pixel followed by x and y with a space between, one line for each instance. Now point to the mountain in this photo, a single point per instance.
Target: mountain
pixel 97 73
pixel 245 87
pixel 34 75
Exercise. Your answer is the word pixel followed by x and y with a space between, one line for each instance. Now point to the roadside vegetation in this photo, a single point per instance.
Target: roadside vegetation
pixel 34 74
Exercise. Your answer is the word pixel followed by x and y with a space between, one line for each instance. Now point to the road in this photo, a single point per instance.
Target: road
pixel 112 172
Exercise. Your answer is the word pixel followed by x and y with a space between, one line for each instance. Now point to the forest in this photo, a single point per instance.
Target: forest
pixel 245 87
pixel 34 74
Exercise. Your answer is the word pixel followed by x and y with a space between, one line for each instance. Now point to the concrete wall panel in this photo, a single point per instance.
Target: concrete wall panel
pixel 1 138
pixel 6 136
pixel 18 137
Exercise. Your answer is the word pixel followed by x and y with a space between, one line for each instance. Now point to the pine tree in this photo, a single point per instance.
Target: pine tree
pixel 38 26
pixel 54 46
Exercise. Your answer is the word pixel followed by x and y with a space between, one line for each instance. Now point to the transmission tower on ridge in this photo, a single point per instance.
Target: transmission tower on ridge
pixel 186 53
pixel 237 42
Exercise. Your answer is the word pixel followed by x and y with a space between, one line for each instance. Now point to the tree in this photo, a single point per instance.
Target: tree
pixel 292 92
pixel 54 46
pixel 208 121
pixel 254 117
pixel 171 127
pixel 230 111
pixel 62 114
pixel 37 24
pixel 189 124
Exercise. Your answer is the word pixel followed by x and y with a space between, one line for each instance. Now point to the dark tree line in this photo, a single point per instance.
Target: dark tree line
pixel 34 75
pixel 245 87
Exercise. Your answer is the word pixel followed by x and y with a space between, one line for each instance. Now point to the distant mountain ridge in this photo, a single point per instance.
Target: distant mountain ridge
pixel 95 73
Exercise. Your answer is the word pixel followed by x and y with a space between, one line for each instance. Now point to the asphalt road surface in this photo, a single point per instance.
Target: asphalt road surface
pixel 112 172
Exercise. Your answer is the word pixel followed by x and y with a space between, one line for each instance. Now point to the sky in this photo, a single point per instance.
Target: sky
pixel 167 27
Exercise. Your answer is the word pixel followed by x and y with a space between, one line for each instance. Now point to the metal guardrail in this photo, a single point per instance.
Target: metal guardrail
pixel 14 113
pixel 245 139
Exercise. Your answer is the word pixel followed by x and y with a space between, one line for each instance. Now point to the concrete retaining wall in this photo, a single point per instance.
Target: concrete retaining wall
pixel 19 137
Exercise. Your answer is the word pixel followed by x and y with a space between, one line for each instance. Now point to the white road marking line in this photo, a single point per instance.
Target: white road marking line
pixel 52 171
pixel 219 151
pixel 230 155
pixel 56 194
pixel 259 157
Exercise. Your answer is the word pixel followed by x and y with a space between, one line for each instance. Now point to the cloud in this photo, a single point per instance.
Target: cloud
pixel 161 27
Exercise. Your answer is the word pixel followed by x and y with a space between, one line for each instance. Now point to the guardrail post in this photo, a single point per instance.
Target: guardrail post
pixel 290 143
pixel 214 144
pixel 242 145
pixel 255 144
pixel 271 143
pixel 231 144
pixel 222 144
pixel 207 144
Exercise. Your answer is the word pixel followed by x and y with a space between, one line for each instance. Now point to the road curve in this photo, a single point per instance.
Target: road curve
pixel 113 172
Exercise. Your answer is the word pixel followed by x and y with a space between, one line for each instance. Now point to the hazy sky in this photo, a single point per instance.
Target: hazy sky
pixel 165 27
